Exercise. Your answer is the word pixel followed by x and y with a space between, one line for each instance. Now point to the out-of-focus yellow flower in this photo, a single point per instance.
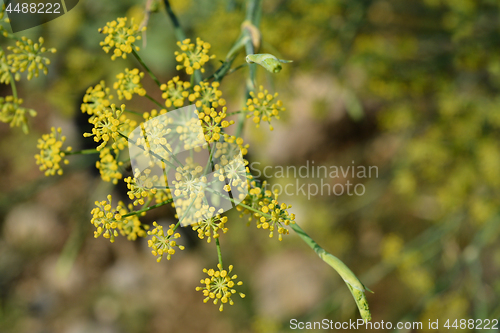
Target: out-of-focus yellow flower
pixel 175 92
pixel 51 155
pixel 121 37
pixel 129 83
pixel 263 106
pixel 219 286
pixel 27 56
pixel 193 56
pixel 11 112
pixel 391 248
pixel 5 69
pixel 162 243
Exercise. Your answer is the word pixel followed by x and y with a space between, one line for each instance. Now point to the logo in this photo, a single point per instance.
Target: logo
pixel 25 14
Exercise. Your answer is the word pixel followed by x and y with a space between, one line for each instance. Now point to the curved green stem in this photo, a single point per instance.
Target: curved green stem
pixel 355 286
pixel 219 253
pixel 148 208
pixel 154 101
pixel 134 112
pixel 179 34
pixel 136 55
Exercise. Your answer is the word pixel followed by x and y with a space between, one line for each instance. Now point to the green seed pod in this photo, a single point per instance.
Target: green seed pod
pixel 268 61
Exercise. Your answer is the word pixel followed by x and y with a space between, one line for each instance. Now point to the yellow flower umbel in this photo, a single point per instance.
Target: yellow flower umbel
pixel 106 219
pixel 129 83
pixel 263 106
pixel 193 56
pixel 210 227
pixel 11 112
pixel 279 215
pixel 108 166
pixel 27 56
pixel 239 141
pixel 213 122
pixel 218 286
pixel 162 243
pixel 107 124
pixel 131 226
pixel 142 189
pixel 121 37
pixel 5 69
pixel 96 98
pixel 207 95
pixel 175 92
pixel 51 155
pixel 273 216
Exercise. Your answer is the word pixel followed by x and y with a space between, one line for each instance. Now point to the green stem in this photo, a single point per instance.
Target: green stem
pixel 133 112
pixel 236 112
pixel 154 101
pixel 136 55
pixel 148 208
pixel 219 253
pixel 179 34
pixel 254 10
pixel 355 286
pixel 13 85
pixel 81 152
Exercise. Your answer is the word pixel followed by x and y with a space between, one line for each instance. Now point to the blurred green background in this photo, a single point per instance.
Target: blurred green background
pixel 411 87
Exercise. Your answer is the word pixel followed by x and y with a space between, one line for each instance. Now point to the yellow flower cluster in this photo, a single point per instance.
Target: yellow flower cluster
pixel 121 37
pixel 213 122
pixel 263 106
pixel 175 92
pixel 219 286
pixel 239 141
pixel 138 190
pixel 105 219
pixel 109 221
pixel 273 216
pixel 108 166
pixel 162 243
pixel 12 113
pixel 193 57
pixel 207 95
pixel 107 124
pixel 129 83
pixel 131 226
pixel 51 155
pixel 96 98
pixel 210 227
pixel 27 56
pixel 5 69
pixel 279 215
